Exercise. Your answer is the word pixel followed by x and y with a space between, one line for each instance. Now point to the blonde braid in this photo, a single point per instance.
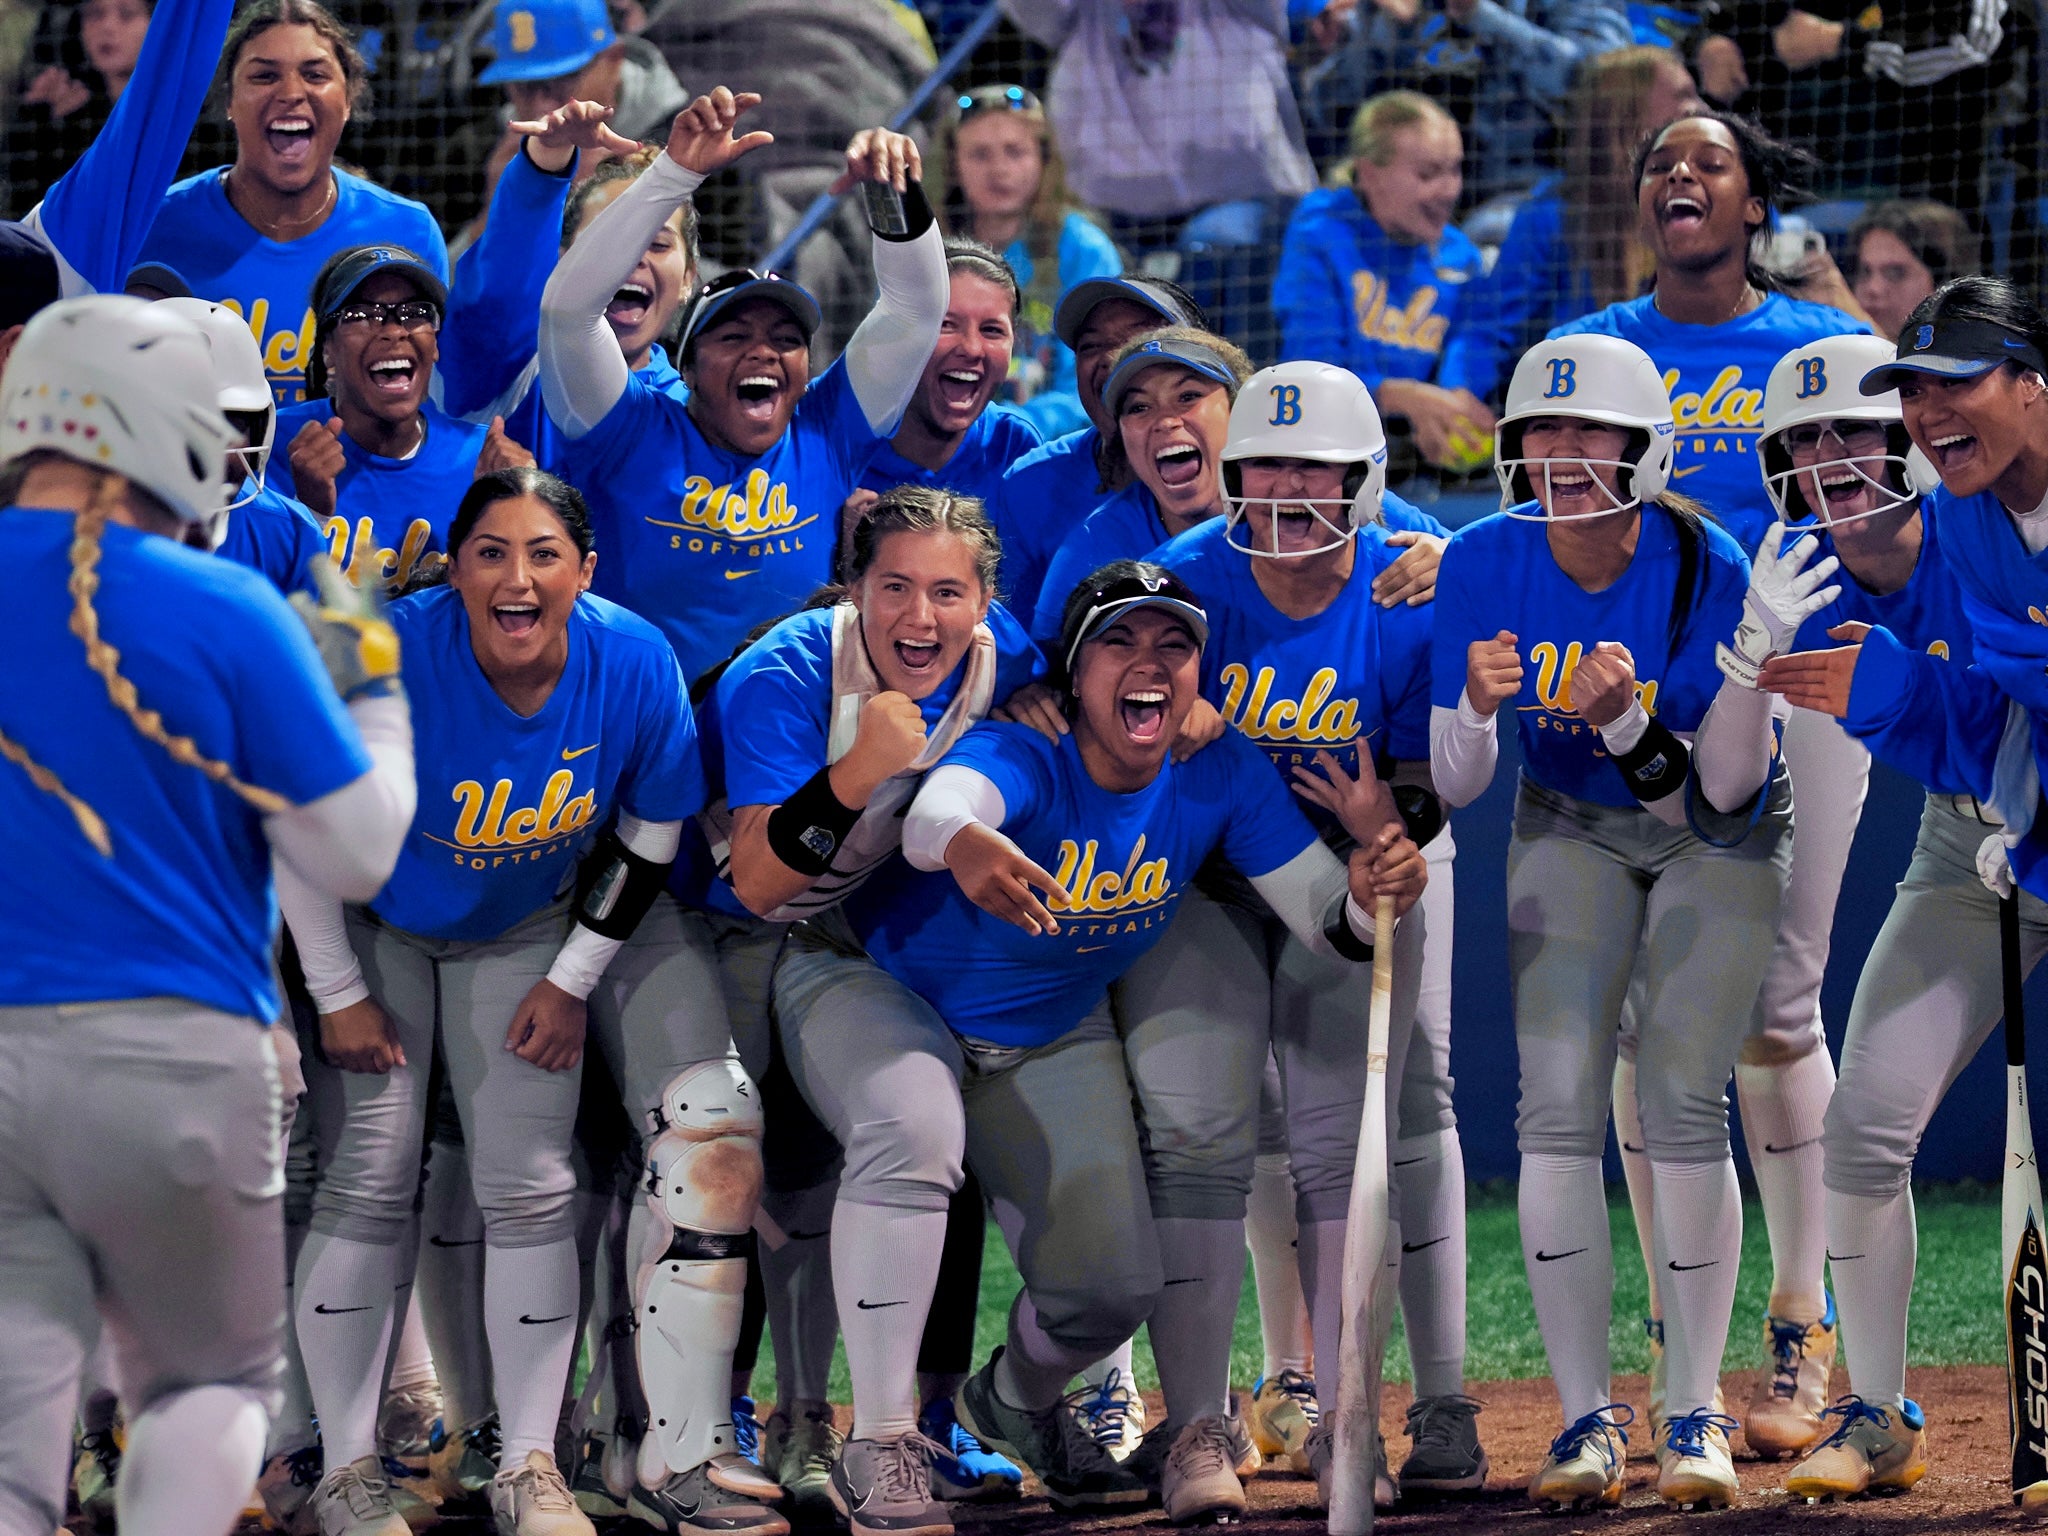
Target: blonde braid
pixel 89 821
pixel 105 659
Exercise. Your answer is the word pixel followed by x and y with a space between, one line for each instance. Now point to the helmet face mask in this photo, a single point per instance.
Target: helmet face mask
pixel 1814 393
pixel 1530 473
pixel 1310 413
pixel 1800 493
pixel 1589 378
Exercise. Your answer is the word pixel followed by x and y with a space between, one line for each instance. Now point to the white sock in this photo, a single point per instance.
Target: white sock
pixel 1783 1105
pixel 1873 1244
pixel 292 1429
pixel 1202 1260
pixel 1118 1359
pixel 1561 1205
pixel 1429 1189
pixel 1035 1367
pixel 412 1363
pixel 1635 1169
pixel 191 1460
pixel 803 1321
pixel 1276 1269
pixel 530 1319
pixel 885 1265
pixel 1699 1250
pixel 448 1287
pixel 1321 1246
pixel 345 1299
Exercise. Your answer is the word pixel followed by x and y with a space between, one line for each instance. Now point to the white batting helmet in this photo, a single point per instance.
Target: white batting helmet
pixel 1592 378
pixel 1312 411
pixel 125 386
pixel 244 386
pixel 1817 384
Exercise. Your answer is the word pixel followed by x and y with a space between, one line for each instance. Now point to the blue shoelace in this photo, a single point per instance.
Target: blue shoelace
pixel 1853 1410
pixel 1104 1412
pixel 746 1429
pixel 1686 1435
pixel 1614 1416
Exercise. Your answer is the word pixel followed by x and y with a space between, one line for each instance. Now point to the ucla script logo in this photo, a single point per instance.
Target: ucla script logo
pixel 354 549
pixel 1416 325
pixel 1554 671
pixel 285 351
pixel 726 520
pixel 1128 902
pixel 1317 719
pixel 490 832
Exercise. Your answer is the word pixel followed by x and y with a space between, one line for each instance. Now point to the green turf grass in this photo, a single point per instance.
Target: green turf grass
pixel 1955 1318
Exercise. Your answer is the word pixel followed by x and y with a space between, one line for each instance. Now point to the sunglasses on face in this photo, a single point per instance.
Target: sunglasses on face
pixel 411 315
pixel 1859 437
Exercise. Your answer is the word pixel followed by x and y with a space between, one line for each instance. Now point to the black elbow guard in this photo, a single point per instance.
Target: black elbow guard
pixel 615 887
pixel 898 216
pixel 1656 766
pixel 1421 812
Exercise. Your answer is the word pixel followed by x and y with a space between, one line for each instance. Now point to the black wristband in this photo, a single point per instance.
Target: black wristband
pixel 806 829
pixel 897 216
pixel 1345 939
pixel 615 887
pixel 1421 812
pixel 1654 767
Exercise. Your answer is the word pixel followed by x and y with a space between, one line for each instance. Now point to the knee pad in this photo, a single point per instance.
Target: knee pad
pixel 704 1170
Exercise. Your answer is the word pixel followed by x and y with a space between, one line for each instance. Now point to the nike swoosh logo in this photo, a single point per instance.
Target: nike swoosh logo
pixel 570 757
pixel 1627 1147
pixel 1089 949
pixel 1405 1162
pixel 1552 1258
pixel 736 575
pixel 1418 1247
pixel 1794 1147
pixel 326 1311
pixel 1678 1269
pixel 804 1237
pixel 437 1241
pixel 2017 346
pixel 535 1322
pixel 1186 1280
pixel 1841 1258
pixel 876 1306
pixel 1680 474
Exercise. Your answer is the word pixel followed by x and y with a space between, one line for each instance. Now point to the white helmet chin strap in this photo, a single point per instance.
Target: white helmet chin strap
pixel 254 461
pixel 1814 494
pixel 1237 521
pixel 1549 466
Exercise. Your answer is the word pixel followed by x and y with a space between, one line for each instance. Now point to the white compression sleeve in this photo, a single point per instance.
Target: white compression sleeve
pixel 1731 751
pixel 950 799
pixel 886 356
pixel 1301 893
pixel 1464 745
pixel 334 976
pixel 346 842
pixel 582 370
pixel 585 953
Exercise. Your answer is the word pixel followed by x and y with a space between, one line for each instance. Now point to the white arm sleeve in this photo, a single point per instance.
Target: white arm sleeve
pixel 1302 892
pixel 952 797
pixel 885 357
pixel 582 370
pixel 346 842
pixel 1464 745
pixel 1731 751
pixel 585 953
pixel 334 977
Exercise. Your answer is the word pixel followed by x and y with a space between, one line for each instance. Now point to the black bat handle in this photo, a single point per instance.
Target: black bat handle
pixel 2015 980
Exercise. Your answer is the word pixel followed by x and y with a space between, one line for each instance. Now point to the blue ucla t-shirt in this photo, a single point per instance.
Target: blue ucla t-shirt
pixel 1498 574
pixel 183 906
pixel 1125 527
pixel 1926 613
pixel 998 439
pixel 1716 376
pixel 1039 500
pixel 269 282
pixel 277 536
pixel 1126 859
pixel 1354 672
pixel 702 543
pixel 390 515
pixel 508 803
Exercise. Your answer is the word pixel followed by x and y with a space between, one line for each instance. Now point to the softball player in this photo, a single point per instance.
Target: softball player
pixel 552 710
pixel 1593 605
pixel 1708 186
pixel 1941 685
pixel 721 513
pixel 148 778
pixel 1305 663
pixel 843 709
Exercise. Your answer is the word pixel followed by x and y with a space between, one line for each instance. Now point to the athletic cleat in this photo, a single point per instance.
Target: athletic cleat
pixel 533 1500
pixel 964 1468
pixel 746 1429
pixel 357 1500
pixel 691 1502
pixel 1077 1472
pixel 1112 1415
pixel 884 1488
pixel 1283 1412
pixel 1447 1457
pixel 800 1458
pixel 93 1475
pixel 1322 1449
pixel 588 1485
pixel 462 1465
pixel 1584 1468
pixel 406 1425
pixel 1876 1448
pixel 1245 1457
pixel 1785 1416
pixel 1694 1470
pixel 1198 1480
pixel 286 1486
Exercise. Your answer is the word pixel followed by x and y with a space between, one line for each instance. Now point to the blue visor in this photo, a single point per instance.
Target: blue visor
pixel 546 39
pixel 1954 349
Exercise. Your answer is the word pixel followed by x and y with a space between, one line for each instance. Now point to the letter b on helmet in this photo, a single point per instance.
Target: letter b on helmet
pixel 1286 405
pixel 1563 378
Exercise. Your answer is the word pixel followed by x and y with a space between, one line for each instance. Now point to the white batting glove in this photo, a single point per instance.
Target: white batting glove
pixel 1993 868
pixel 1782 596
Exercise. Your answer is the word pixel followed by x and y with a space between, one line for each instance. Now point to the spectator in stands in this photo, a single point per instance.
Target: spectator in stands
pixel 1164 107
pixel 1373 274
pixel 1902 252
pixel 1501 67
pixel 1574 246
pixel 59 113
pixel 1006 187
